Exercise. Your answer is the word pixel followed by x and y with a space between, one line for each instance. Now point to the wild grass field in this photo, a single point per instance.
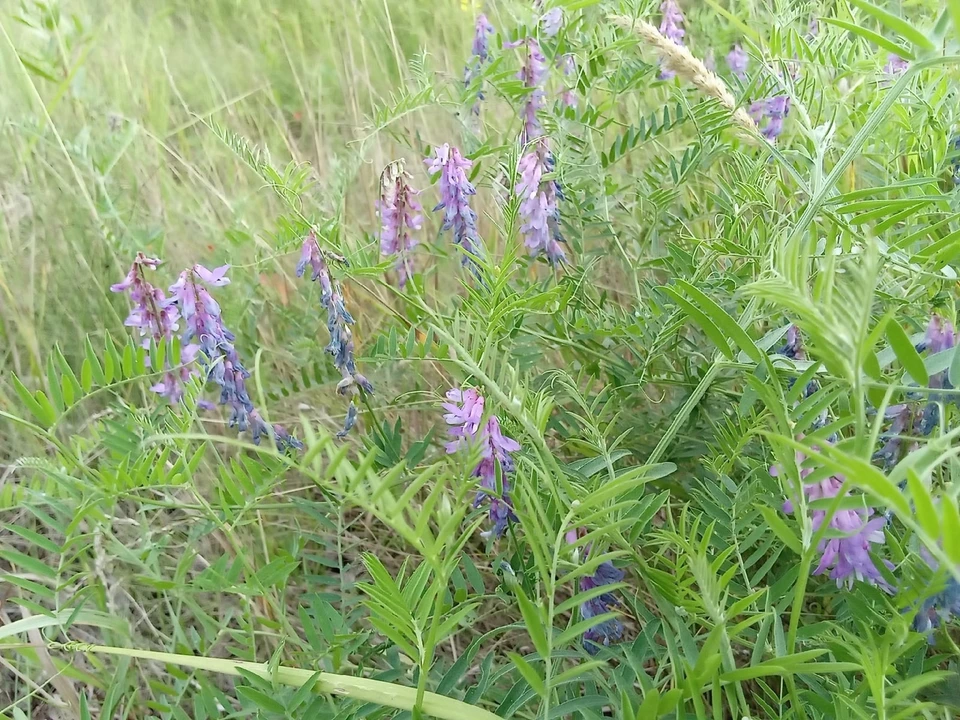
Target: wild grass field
pixel 534 359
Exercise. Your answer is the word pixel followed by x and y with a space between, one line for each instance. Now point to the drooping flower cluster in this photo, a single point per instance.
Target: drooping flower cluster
pixel 338 325
pixel 455 193
pixel 852 532
pixel 737 61
pixel 464 417
pixel 671 26
pixel 538 206
pixel 480 52
pixel 217 354
pixel 533 74
pixel 156 319
pixel 775 110
pixel 609 631
pixel 400 213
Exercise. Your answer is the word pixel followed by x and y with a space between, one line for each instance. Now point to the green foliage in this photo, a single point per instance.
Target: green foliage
pixel 154 562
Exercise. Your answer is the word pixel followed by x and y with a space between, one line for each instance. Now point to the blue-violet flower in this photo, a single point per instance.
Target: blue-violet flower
pixel 400 212
pixel 455 192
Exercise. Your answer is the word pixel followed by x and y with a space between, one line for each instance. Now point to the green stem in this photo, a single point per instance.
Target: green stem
pixel 362 689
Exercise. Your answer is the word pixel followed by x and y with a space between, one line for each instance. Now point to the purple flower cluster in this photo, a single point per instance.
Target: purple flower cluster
pixel 217 354
pixel 568 66
pixel 400 212
pixel 338 325
pixel 938 608
pixel 538 205
pixel 465 417
pixel 738 61
pixel 671 26
pixel 480 53
pixel 851 535
pixel 534 75
pixel 156 318
pixel 775 110
pixel 455 193
pixel 608 631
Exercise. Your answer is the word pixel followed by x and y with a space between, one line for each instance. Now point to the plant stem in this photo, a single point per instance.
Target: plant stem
pixel 362 689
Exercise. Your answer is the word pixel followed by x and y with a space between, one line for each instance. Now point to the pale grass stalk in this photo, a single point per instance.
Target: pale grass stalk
pixel 679 59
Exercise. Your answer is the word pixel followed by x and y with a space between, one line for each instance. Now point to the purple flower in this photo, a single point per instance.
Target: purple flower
pixel 338 319
pixel 890 452
pixel 852 533
pixel 938 608
pixel 464 416
pixel 551 21
pixel 399 214
pixel 671 26
pixel 775 109
pixel 737 61
pixel 455 192
pixel 156 319
pixel 481 52
pixel 538 205
pixel 940 337
pixel 201 315
pixel 568 66
pixel 608 631
pixel 482 29
pixel 813 29
pixel 283 439
pixel 895 65
pixel 534 75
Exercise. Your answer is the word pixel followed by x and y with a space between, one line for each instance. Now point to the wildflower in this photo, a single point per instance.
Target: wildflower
pixel 538 207
pixel 775 109
pixel 338 319
pixel 813 29
pixel 890 452
pixel 896 65
pixel 283 439
pixel 568 66
pixel 534 75
pixel 399 214
pixel 551 21
pixel 845 551
pixel 954 156
pixel 737 61
pixel 938 608
pixel 464 415
pixel 608 631
pixel 455 192
pixel 480 54
pixel 156 319
pixel 940 336
pixel 671 26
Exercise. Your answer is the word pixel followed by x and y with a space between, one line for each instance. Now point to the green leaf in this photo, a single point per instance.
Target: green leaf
pixel 954 371
pixel 528 673
pixel 871 36
pixel 706 324
pixel 906 353
pixel 31 402
pixel 951 529
pixel 86 376
pixel 261 700
pixel 896 24
pixel 534 622
pixel 923 505
pixel 53 386
pixel 726 323
pixel 787 536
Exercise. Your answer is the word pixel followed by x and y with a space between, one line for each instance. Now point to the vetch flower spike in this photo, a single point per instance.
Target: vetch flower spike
pixel 464 416
pixel 455 193
pixel 400 213
pixel 737 61
pixel 671 27
pixel 533 74
pixel 481 51
pixel 217 354
pixel 155 317
pixel 609 631
pixel 341 345
pixel 538 205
